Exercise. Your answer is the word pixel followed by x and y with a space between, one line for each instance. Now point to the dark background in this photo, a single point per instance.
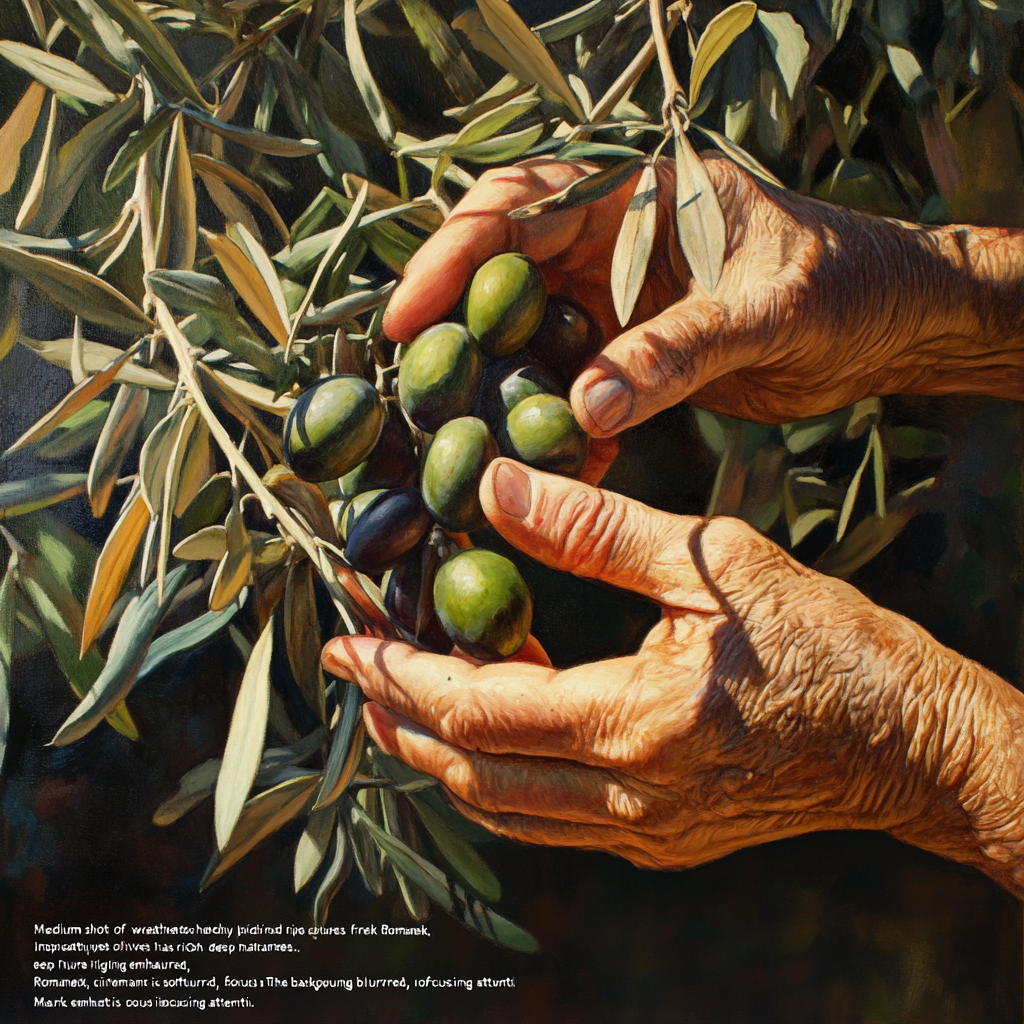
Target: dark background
pixel 833 927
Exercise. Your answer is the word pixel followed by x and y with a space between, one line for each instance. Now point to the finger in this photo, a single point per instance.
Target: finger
pixel 634 846
pixel 600 456
pixel 656 365
pixel 542 787
pixel 598 534
pixel 507 708
pixel 479 228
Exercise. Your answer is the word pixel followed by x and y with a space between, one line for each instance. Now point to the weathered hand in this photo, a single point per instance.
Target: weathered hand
pixel 767 702
pixel 818 306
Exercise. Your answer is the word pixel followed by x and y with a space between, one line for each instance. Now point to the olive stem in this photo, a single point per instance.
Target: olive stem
pixel 668 74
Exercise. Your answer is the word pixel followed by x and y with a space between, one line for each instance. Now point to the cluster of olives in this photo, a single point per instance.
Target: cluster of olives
pixel 410 461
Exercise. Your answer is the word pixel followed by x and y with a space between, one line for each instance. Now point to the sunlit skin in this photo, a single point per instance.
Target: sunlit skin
pixel 769 700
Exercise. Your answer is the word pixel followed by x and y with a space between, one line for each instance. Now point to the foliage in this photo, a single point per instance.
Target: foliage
pixel 209 202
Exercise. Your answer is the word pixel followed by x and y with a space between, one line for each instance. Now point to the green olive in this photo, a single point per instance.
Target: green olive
pixel 505 303
pixel 455 462
pixel 545 434
pixel 483 603
pixel 392 463
pixel 439 376
pixel 333 425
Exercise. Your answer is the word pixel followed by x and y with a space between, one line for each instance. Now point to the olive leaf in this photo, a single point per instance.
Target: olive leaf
pixel 261 142
pixel 208 166
pixel 113 564
pixel 138 143
pixel 57 73
pixel 16 132
pixel 312 845
pixel 528 51
pixel 336 874
pixel 371 94
pixel 85 294
pixel 96 29
pixel 582 191
pixel 72 403
pixel 634 244
pixel 117 438
pixel 157 48
pixel 44 171
pixel 302 635
pixel 176 232
pixel 134 634
pixel 699 219
pixel 245 739
pixel 719 35
pixel 444 50
pixel 19 497
pixel 260 817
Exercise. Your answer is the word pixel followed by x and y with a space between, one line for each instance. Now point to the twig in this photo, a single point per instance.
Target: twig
pixel 673 89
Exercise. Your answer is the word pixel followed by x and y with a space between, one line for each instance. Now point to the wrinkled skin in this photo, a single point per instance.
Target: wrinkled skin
pixel 769 700
pixel 818 306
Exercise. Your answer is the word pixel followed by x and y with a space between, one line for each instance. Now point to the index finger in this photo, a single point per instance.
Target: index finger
pixel 479 228
pixel 505 708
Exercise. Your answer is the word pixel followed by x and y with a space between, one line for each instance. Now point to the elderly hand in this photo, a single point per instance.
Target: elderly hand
pixel 767 702
pixel 818 306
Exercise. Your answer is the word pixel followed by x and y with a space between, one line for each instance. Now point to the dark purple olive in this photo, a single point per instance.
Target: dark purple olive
pixel 390 528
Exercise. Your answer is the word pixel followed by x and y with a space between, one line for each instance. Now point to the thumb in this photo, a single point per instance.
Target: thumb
pixel 598 534
pixel 654 366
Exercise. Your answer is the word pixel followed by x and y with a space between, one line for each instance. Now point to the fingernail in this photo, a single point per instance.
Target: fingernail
pixel 512 491
pixel 609 402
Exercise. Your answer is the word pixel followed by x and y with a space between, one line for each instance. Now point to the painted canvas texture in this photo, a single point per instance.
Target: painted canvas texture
pixel 511 511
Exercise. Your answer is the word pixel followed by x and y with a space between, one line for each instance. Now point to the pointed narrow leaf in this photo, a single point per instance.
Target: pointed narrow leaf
pixel 699 219
pixel 346 748
pixel 208 165
pixel 336 875
pixel 154 44
pixel 57 73
pixel 236 565
pixel 116 440
pixel 137 143
pixel 261 816
pixel 502 148
pixel 309 853
pixel 44 171
pixel 583 190
pixel 134 634
pixel 443 48
pixel 81 429
pixel 302 635
pixel 484 921
pixel 740 156
pixel 261 142
pixel 85 294
pixel 633 245
pixel 250 284
pixel 176 233
pixel 89 389
pixel 365 851
pixel 188 637
pixel 113 564
pixel 245 738
pixel 61 618
pixel 851 492
pixel 398 825
pixel 427 876
pixel 209 544
pixel 19 497
pixel 788 44
pixel 371 95
pixel 529 52
pixel 16 132
pixel 463 859
pixel 172 477
pixel 490 123
pixel 195 786
pixel 96 357
pixel 156 453
pixel 715 40
pixel 98 32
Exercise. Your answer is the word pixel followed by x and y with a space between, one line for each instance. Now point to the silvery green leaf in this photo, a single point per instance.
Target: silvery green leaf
pixel 117 438
pixel 7 621
pixel 368 89
pixel 57 73
pixel 134 634
pixel 582 191
pixel 136 144
pixel 575 21
pixel 346 748
pixel 246 737
pixel 715 40
pixel 19 497
pixel 502 148
pixel 740 156
pixel 337 873
pixel 442 45
pixel 94 27
pixel 633 245
pixel 313 845
pixel 788 45
pixel 699 218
